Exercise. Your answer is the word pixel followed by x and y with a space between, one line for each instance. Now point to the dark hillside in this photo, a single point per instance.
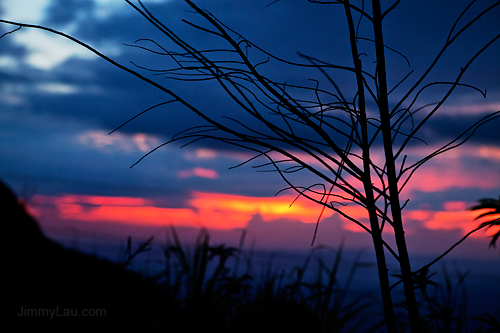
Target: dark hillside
pixel 41 282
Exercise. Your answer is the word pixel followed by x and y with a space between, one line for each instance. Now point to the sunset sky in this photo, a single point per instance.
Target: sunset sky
pixel 59 102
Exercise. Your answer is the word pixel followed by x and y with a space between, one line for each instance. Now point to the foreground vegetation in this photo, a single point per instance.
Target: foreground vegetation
pixel 219 288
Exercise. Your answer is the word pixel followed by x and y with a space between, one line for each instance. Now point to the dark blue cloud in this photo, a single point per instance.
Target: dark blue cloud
pixel 62 12
pixel 447 128
pixel 283 28
pixel 417 29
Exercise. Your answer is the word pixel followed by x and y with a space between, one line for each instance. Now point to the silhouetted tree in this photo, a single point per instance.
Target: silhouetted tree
pixel 317 127
pixel 493 210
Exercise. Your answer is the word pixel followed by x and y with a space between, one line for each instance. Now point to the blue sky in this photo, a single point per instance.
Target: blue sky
pixel 59 102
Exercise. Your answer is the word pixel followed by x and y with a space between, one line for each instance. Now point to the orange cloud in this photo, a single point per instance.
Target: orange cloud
pixel 452 220
pixel 211 210
pixel 118 209
pixel 268 207
pixel 141 215
pixel 227 211
pixel 460 220
pixel 453 216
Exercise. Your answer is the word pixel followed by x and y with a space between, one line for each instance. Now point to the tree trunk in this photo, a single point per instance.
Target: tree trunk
pixel 390 319
pixel 383 105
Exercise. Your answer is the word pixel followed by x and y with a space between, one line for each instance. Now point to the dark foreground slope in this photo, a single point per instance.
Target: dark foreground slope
pixel 45 286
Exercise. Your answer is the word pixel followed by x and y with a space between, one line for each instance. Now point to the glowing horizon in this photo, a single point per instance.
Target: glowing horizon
pixel 228 211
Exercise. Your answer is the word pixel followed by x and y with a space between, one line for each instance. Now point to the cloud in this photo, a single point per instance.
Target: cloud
pixel 451 220
pixel 104 201
pixel 211 210
pixel 198 172
pixel 31 11
pixel 428 232
pixel 104 9
pixel 112 30
pixel 120 210
pixel 471 166
pixel 488 152
pixel 269 208
pixel 454 216
pixel 8 63
pixel 58 88
pixel 47 50
pixel 117 141
pixel 466 152
pixel 469 109
pixel 434 179
pixel 200 154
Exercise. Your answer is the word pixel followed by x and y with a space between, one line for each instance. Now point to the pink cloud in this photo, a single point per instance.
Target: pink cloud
pixel 437 178
pixel 198 172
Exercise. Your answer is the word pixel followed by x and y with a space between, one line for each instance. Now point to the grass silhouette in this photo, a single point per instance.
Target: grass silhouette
pixel 200 288
pixel 231 298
